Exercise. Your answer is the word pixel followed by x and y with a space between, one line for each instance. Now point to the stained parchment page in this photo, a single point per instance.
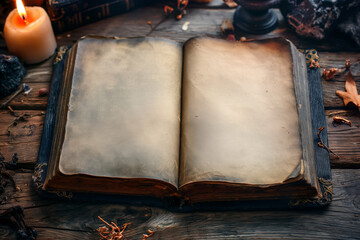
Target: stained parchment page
pixel 124 110
pixel 240 120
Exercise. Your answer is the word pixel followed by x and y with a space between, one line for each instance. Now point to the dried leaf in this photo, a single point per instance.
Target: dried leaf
pixel 351 94
pixel 342 120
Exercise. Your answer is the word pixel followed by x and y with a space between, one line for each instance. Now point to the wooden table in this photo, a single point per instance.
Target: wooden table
pixel 78 220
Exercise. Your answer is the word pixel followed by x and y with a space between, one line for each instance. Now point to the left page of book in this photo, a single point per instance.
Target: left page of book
pixel 123 118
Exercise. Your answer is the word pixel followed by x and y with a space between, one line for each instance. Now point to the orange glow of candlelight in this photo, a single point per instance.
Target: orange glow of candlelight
pixel 21 9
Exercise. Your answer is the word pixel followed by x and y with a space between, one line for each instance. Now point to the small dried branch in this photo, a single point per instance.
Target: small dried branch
pixel 22 88
pixel 321 143
pixel 329 74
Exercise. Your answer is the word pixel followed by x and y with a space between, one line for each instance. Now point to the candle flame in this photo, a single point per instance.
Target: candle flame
pixel 21 9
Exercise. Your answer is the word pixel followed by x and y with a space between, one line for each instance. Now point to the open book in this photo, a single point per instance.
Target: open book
pixel 207 121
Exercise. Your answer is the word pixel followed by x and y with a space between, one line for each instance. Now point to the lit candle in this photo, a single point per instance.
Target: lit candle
pixel 28 34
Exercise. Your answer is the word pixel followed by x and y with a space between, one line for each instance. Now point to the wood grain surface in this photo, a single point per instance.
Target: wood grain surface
pixel 76 220
pixel 55 219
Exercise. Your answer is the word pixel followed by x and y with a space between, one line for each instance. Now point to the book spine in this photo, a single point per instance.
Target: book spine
pixel 68 14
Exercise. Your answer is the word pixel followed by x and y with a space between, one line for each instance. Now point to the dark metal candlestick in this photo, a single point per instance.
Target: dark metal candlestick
pixel 256 16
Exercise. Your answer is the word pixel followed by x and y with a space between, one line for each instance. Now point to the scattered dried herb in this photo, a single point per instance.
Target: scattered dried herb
pixel 342 120
pixel 20 118
pixel 351 95
pixel 111 231
pixel 5 177
pixel 145 236
pixel 321 143
pixel 329 73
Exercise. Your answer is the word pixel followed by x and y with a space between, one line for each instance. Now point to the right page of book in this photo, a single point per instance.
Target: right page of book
pixel 239 113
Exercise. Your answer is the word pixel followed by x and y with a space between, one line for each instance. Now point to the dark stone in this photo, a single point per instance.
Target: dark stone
pixel 316 18
pixel 12 72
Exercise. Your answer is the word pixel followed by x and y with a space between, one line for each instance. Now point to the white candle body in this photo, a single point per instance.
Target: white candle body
pixel 32 40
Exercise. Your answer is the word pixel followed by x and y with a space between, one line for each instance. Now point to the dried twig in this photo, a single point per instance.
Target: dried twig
pixel 22 88
pixel 321 143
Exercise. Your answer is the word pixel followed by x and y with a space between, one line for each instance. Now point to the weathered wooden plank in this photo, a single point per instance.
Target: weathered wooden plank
pixel 26 196
pixel 77 219
pixel 32 101
pixel 337 60
pixel 344 140
pixel 23 139
pixel 202 22
pixel 132 24
pixel 208 21
pixel 39 73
